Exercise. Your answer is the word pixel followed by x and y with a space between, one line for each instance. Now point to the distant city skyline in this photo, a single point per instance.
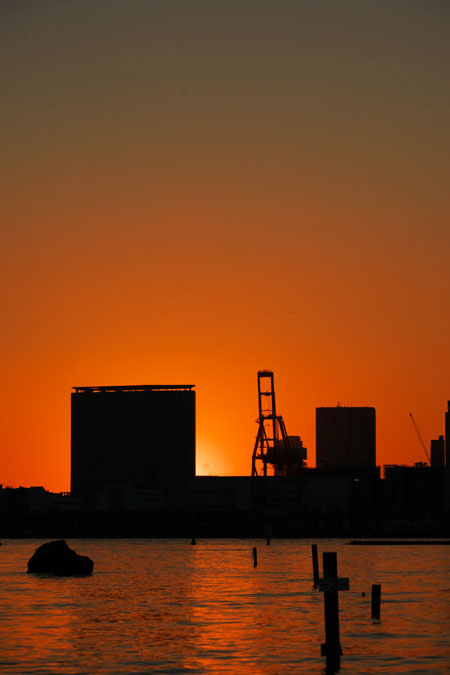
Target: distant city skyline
pixel 195 191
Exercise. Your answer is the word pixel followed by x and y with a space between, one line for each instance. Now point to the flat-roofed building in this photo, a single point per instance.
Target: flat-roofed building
pixel 345 437
pixel 418 491
pixel 141 437
pixel 437 451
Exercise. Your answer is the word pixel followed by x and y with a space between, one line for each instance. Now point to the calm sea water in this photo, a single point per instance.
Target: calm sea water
pixel 164 606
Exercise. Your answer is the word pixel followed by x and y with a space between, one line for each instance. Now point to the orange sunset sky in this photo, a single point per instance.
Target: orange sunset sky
pixel 193 190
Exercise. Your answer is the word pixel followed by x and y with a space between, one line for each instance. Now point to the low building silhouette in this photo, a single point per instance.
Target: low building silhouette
pixel 417 495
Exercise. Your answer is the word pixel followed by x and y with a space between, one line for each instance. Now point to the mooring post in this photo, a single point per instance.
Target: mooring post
pixel 330 585
pixel 315 562
pixel 255 557
pixel 376 600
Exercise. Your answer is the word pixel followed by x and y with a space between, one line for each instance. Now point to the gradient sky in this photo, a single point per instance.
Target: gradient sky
pixel 196 190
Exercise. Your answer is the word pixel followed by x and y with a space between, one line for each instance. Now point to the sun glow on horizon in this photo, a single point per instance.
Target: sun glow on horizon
pixel 176 210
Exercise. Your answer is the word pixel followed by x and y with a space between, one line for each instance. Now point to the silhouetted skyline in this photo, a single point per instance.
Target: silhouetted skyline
pixel 196 190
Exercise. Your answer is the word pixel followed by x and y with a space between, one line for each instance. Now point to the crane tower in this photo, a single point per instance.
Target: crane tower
pixel 422 442
pixel 273 446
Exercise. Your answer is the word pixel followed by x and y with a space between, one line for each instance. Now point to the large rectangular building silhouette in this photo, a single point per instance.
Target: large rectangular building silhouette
pixel 139 436
pixel 345 437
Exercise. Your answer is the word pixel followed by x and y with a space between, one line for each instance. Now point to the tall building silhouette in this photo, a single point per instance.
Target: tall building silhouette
pixel 447 435
pixel 142 437
pixel 437 452
pixel 345 437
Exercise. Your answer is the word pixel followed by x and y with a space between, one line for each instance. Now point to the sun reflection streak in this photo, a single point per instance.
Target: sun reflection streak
pixel 160 606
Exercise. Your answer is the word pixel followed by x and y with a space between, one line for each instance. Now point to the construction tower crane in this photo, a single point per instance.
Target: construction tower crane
pixel 422 442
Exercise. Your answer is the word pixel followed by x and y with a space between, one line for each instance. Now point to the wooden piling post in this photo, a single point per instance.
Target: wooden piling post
pixel 330 585
pixel 255 557
pixel 376 600
pixel 315 562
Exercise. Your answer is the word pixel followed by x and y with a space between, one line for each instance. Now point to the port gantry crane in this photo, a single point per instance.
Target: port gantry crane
pixel 272 445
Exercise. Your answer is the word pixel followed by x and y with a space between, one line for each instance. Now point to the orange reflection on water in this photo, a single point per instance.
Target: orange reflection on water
pixel 164 606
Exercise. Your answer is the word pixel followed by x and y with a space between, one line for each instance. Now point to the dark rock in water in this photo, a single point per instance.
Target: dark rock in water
pixel 56 557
